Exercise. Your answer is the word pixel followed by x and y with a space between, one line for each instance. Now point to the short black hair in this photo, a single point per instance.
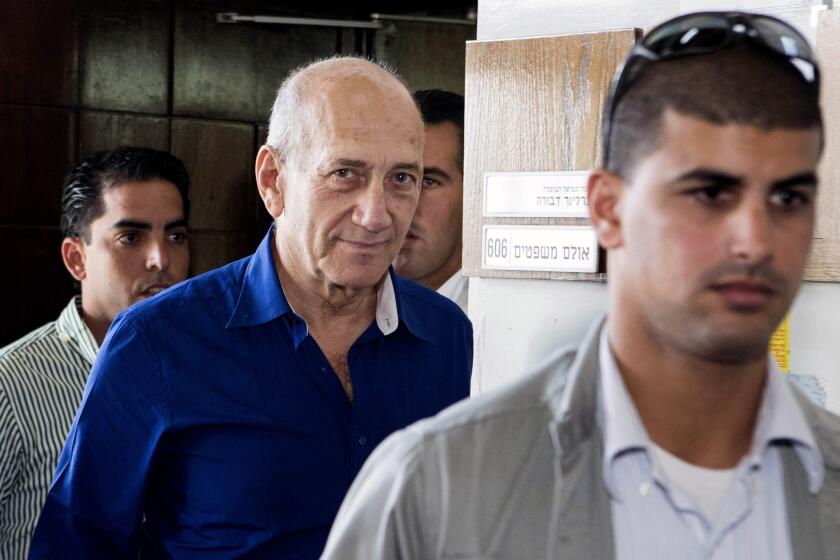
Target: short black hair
pixel 84 185
pixel 438 106
pixel 741 84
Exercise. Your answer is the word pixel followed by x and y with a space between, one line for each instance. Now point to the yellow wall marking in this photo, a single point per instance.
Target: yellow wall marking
pixel 780 345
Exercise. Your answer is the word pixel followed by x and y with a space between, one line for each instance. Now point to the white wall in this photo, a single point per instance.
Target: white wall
pixel 508 19
pixel 517 322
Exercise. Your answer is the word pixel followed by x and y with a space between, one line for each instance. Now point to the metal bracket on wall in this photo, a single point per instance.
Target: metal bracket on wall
pixel 233 17
pixel 375 23
pixel 422 19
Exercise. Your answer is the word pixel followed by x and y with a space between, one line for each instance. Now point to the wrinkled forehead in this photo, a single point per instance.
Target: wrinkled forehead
pixel 364 115
pixel 361 99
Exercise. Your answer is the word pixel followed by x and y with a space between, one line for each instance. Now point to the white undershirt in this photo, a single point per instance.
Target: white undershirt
pixel 456 289
pixel 705 487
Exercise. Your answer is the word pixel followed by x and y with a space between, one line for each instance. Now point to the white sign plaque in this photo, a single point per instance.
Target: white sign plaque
pixel 547 194
pixel 540 248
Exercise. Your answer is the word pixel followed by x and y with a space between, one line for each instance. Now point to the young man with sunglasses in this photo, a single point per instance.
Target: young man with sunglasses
pixel 669 432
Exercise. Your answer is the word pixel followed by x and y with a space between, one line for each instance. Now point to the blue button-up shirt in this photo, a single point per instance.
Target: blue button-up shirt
pixel 213 426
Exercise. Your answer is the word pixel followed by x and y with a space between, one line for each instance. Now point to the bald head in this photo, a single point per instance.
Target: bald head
pixel 329 92
pixel 341 173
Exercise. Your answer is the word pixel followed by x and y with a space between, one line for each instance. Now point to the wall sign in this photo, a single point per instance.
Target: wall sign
pixel 543 248
pixel 536 194
pixel 532 128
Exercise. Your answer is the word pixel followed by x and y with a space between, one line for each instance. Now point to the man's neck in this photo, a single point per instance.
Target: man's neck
pixel 439 277
pixel 701 411
pixel 321 303
pixel 97 325
pixel 335 315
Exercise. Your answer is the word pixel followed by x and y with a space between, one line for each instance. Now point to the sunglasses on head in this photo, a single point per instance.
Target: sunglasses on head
pixel 705 33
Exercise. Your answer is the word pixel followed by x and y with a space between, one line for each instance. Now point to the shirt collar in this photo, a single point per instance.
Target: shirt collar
pixel 406 313
pixel 617 415
pixel 779 419
pixel 387 315
pixel 456 289
pixel 72 328
pixel 262 298
pixel 452 287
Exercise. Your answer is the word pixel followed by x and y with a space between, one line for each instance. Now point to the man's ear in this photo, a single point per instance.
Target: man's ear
pixel 604 191
pixel 73 255
pixel 270 171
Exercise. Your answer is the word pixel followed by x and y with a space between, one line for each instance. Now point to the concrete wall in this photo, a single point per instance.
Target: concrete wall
pixel 517 322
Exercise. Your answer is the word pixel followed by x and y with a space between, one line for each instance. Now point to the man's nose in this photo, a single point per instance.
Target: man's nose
pixel 752 235
pixel 157 256
pixel 371 211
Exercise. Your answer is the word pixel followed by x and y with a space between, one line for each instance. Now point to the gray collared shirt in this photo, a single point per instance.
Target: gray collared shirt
pixel 653 518
pixel 517 473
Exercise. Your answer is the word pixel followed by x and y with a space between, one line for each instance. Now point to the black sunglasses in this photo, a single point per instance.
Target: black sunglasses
pixel 704 33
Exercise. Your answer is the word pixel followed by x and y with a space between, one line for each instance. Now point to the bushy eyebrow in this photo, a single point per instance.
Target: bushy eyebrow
pixel 132 224
pixel 407 166
pixel 808 180
pixel 357 163
pixel 145 226
pixel 350 163
pixel 436 171
pixel 176 224
pixel 710 176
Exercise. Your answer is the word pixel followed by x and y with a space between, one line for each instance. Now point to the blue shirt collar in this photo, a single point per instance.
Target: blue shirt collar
pixel 408 314
pixel 262 299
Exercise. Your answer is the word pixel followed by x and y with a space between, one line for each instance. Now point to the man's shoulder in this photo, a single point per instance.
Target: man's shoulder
pixel 31 345
pixel 503 415
pixel 214 291
pixel 426 302
pixel 825 426
pixel 477 450
pixel 31 364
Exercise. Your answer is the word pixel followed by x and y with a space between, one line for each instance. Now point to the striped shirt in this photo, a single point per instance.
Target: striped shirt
pixel 42 377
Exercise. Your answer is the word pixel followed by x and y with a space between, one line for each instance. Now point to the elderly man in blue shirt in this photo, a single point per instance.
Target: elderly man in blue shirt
pixel 227 417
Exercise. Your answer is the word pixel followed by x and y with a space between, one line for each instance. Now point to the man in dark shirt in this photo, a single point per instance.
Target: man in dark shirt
pixel 227 417
pixel 431 254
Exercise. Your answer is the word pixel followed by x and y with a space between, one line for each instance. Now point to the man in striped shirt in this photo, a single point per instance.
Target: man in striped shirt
pixel 124 219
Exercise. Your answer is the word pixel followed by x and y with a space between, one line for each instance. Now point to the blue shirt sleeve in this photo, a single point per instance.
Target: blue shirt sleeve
pixel 95 504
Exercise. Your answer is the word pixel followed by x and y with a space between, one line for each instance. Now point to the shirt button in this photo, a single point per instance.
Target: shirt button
pixel 362 440
pixel 645 488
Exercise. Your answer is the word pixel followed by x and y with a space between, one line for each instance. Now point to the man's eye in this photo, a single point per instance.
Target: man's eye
pixel 178 237
pixel 789 199
pixel 128 238
pixel 713 195
pixel 404 178
pixel 429 183
pixel 344 173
